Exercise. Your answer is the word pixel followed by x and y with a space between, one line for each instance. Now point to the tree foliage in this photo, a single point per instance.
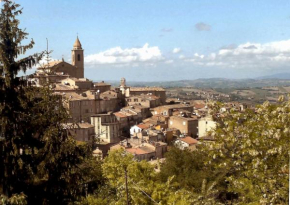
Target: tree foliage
pixel 37 156
pixel 40 163
pixel 252 148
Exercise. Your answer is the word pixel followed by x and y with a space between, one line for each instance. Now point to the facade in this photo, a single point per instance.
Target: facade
pixel 148 151
pixel 186 125
pixel 138 129
pixel 157 91
pixel 102 86
pixel 167 110
pixel 146 100
pixel 129 116
pixel 78 83
pixel 78 59
pixel 205 125
pixel 82 106
pixel 81 131
pixel 106 127
pixel 186 143
pixel 47 72
pixel 129 91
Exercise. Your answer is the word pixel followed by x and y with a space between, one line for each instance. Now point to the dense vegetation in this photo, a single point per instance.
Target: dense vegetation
pixel 247 164
pixel 40 163
pixel 37 156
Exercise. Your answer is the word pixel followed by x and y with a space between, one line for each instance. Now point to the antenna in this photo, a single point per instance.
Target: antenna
pixel 47 56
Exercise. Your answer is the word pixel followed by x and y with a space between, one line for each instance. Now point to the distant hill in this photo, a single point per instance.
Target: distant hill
pixel 285 76
pixel 212 83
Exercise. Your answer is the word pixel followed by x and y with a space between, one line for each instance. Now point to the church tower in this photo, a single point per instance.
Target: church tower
pixel 78 58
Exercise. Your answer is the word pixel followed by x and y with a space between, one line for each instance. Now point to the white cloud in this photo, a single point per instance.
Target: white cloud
pixel 202 27
pixel 181 57
pixel 118 55
pixel 273 55
pixel 169 61
pixel 176 50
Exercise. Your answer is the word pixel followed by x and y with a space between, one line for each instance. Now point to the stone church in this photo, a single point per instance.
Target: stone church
pixel 59 69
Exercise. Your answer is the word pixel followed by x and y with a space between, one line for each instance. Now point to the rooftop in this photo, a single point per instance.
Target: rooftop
pixel 77 44
pixel 189 140
pixel 145 96
pixel 184 118
pixel 101 84
pixel 120 114
pixel 73 96
pixel 147 89
pixel 83 125
pixel 143 126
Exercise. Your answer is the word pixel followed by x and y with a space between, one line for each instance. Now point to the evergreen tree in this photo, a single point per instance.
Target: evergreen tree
pixel 37 156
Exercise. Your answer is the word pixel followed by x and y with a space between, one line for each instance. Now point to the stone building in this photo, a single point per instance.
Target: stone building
pixel 129 116
pixel 148 151
pixel 205 125
pixel 186 125
pixel 157 91
pixel 167 110
pixel 102 86
pixel 58 70
pixel 106 127
pixel 81 106
pixel 81 131
pixel 186 143
pixel 129 91
pixel 80 85
pixel 146 100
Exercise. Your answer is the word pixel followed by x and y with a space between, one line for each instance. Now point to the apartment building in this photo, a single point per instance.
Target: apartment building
pixel 146 100
pixel 81 131
pixel 186 125
pixel 106 127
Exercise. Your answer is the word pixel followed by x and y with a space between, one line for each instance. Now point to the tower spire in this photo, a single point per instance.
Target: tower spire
pixel 77 44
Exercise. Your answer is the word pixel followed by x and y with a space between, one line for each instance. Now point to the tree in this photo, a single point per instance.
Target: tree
pixel 252 151
pixel 37 156
pixel 185 166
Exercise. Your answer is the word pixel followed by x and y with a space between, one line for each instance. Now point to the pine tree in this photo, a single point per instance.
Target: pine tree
pixel 37 156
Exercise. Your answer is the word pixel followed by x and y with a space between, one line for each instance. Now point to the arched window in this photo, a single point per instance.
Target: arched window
pixel 79 57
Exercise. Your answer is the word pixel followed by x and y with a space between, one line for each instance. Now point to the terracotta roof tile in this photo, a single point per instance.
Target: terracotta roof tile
pixel 143 126
pixel 119 114
pixel 188 140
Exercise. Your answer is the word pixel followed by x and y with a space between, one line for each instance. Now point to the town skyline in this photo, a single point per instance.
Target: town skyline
pixel 150 41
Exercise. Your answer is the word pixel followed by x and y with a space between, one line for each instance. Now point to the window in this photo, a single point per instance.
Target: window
pixel 79 57
pixel 184 123
pixel 136 100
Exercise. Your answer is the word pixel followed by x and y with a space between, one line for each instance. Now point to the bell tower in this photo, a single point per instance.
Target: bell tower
pixel 78 58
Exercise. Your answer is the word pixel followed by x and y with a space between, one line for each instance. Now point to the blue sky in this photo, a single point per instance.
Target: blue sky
pixel 146 40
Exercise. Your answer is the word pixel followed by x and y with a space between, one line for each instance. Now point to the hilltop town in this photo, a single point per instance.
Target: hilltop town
pixel 142 120
pixel 66 139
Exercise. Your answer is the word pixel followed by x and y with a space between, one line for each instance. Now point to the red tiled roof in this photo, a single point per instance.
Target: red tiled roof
pixel 118 114
pixel 199 106
pixel 143 126
pixel 188 140
pixel 136 151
